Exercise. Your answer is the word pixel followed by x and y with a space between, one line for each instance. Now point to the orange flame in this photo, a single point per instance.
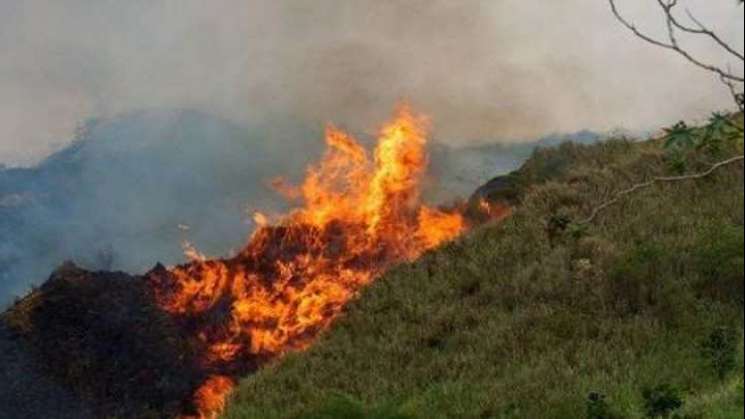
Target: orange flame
pixel 494 211
pixel 361 215
pixel 211 397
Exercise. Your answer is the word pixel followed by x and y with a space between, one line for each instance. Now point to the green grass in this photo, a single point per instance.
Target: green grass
pixel 526 319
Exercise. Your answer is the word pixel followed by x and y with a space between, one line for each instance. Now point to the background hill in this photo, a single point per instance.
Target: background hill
pixel 638 314
pixel 131 189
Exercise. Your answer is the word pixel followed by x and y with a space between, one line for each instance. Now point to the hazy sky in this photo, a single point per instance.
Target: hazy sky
pixel 483 69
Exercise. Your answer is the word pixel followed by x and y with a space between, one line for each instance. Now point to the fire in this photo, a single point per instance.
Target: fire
pixel 361 213
pixel 494 211
pixel 211 396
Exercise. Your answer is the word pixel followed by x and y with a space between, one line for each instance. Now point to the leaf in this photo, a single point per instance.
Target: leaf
pixel 679 136
pixel 719 126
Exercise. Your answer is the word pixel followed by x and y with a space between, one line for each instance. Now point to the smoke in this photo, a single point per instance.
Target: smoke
pixel 132 189
pixel 483 69
pixel 273 72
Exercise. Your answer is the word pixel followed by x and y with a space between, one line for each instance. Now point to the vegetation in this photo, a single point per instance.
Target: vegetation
pixel 637 313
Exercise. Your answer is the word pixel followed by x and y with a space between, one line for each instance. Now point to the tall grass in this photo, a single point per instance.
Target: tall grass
pixel 533 318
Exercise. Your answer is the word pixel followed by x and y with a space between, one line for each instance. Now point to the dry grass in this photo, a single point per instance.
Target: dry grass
pixel 527 318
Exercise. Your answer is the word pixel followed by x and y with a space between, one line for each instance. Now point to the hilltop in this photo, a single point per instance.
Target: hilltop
pixel 637 313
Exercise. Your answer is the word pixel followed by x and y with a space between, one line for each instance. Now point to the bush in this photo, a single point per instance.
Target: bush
pixel 662 401
pixel 598 407
pixel 720 350
pixel 636 280
pixel 721 262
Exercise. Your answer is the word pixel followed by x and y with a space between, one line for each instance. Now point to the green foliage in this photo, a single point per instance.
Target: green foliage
pixel 721 350
pixel 679 139
pixel 598 407
pixel 678 162
pixel 679 136
pixel 342 407
pixel 662 401
pixel 720 252
pixel 720 258
pixel 719 130
pixel 684 143
pixel 636 279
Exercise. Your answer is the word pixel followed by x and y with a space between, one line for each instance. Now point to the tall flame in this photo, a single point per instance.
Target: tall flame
pixel 361 214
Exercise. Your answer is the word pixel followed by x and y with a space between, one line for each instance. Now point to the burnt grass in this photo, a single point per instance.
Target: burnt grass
pixel 105 347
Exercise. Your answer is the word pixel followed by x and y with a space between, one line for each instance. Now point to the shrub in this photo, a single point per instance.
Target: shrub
pixel 721 262
pixel 662 401
pixel 598 407
pixel 636 279
pixel 720 350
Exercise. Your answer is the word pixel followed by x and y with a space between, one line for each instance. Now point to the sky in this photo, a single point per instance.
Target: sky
pixel 484 70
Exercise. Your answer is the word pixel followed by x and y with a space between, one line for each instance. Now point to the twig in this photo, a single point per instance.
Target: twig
pixel 736 96
pixel 668 6
pixel 652 182
pixel 673 44
pixel 703 30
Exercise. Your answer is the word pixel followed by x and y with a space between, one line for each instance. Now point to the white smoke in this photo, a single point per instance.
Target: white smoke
pixel 483 69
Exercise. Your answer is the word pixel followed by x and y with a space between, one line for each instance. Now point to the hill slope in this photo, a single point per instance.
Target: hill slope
pixel 541 318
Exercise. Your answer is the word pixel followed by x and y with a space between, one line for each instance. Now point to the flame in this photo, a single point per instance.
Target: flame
pixel 211 397
pixel 361 214
pixel 494 211
pixel 260 219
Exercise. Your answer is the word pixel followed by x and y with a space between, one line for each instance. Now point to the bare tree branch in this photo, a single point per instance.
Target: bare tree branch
pixel 738 97
pixel 672 44
pixel 668 7
pixel 703 30
pixel 662 179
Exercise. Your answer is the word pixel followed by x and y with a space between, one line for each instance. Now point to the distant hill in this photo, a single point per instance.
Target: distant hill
pixel 458 171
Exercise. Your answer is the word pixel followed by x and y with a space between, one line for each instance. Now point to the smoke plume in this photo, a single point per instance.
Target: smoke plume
pixel 483 69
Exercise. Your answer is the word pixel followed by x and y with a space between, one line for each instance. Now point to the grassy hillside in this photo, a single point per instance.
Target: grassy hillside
pixel 631 316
